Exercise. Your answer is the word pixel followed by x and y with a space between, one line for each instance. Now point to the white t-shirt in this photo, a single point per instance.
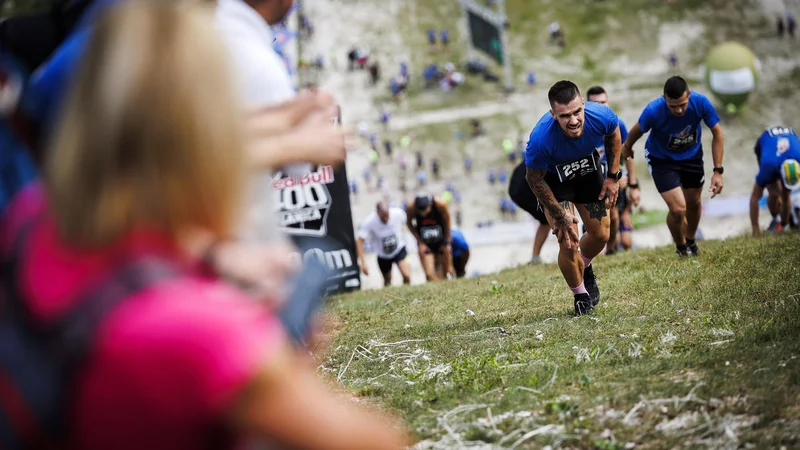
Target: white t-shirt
pixel 386 238
pixel 262 80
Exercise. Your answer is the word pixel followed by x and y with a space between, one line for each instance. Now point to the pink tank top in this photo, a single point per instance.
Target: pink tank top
pixel 168 362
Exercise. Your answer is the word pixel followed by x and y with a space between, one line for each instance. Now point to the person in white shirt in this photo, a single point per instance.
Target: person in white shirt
pixel 383 228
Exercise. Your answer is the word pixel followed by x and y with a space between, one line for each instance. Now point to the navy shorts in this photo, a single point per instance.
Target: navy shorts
pixel 670 174
pixel 385 264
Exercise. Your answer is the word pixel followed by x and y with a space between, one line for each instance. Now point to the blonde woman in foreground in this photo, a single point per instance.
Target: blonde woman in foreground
pixel 150 156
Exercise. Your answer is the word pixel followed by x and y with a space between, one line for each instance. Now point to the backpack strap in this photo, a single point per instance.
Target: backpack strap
pixel 68 340
pixel 76 330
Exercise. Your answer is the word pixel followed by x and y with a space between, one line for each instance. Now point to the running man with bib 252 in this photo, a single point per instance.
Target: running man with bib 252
pixel 674 154
pixel 563 167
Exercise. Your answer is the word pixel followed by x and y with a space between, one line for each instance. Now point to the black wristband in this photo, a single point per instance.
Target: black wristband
pixel 633 185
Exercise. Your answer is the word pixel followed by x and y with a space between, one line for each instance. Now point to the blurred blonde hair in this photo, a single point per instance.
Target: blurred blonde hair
pixel 150 135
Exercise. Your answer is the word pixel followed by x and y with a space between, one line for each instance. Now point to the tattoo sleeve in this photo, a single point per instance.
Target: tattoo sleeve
pixel 542 191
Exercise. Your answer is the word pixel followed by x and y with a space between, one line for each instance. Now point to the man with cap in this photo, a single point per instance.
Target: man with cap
pixel 778 154
pixel 428 220
pixel 383 228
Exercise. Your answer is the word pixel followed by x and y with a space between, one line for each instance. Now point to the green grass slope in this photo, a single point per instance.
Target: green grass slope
pixel 701 352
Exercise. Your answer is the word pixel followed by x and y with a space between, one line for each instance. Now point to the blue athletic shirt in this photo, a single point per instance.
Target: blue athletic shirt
pixel 458 242
pixel 776 145
pixel 548 147
pixel 676 138
pixel 49 84
pixel 623 134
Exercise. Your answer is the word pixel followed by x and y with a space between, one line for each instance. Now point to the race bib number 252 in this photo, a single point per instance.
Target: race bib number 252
pixel 580 167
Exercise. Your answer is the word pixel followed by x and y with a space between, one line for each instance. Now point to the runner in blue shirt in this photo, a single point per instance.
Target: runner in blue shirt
pixel 460 252
pixel 621 228
pixel 778 152
pixel 563 166
pixel 674 152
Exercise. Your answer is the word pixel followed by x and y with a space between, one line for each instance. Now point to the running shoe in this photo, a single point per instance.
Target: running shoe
pixel 693 248
pixel 682 251
pixel 583 304
pixel 774 226
pixel 590 282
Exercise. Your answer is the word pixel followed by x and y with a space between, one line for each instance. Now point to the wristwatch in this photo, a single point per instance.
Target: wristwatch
pixel 633 185
pixel 615 176
pixel 719 170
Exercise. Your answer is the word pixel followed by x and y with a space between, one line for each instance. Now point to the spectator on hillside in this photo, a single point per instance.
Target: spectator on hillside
pixel 555 32
pixel 508 149
pixel 432 37
pixel 361 58
pixel 374 73
pixel 673 62
pixel 420 160
pixel 490 174
pixel 367 174
pixel 402 162
pixel 404 70
pixel 476 129
pixel 385 115
pixel 431 75
pixel 175 132
pixel 791 25
pixel 352 57
pixel 435 168
pixel 421 178
pixel 780 26
pixel 444 37
pixel 354 188
pixel 502 177
pixel 468 165
pixel 531 79
pixel 387 147
pixel 373 159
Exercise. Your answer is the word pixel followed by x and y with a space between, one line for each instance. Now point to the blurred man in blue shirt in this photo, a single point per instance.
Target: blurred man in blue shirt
pixel 621 227
pixel 778 154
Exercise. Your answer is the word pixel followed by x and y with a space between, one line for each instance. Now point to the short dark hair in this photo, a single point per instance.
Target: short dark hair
pixel 675 87
pixel 562 93
pixel 595 90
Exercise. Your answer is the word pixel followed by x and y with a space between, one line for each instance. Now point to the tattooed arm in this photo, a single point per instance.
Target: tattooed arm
pixel 562 220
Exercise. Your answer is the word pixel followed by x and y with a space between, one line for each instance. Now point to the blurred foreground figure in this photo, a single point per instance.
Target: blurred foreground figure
pixel 106 262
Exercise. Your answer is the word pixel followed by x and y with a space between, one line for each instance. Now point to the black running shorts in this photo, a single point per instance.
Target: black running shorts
pixel 579 182
pixel 385 264
pixel 669 174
